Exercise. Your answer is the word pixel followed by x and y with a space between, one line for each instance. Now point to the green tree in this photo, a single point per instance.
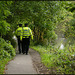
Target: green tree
pixel 44 17
pixel 4 12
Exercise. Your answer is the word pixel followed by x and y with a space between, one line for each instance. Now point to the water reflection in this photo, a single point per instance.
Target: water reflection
pixel 60 43
pixel 61 46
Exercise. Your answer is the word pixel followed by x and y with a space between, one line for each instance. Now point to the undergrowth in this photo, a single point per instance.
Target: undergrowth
pixel 62 61
pixel 7 52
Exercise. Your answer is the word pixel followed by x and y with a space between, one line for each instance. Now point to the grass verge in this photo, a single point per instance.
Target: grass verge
pixel 3 62
pixel 62 61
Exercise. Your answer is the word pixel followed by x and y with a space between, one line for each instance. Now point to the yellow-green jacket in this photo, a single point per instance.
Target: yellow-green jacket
pixel 26 32
pixel 19 32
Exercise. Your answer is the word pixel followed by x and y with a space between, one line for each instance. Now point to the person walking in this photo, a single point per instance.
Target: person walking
pixel 19 37
pixel 27 34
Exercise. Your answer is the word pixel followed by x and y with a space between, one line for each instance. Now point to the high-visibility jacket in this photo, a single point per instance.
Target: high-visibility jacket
pixel 19 32
pixel 27 33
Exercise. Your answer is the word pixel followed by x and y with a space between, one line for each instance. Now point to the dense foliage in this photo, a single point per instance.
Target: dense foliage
pixel 49 21
pixel 45 18
pixel 7 52
pixel 58 61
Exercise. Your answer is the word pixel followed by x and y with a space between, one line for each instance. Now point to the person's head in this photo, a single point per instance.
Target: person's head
pixel 20 25
pixel 26 24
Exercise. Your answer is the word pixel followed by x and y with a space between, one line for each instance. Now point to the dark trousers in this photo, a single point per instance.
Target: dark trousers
pixel 25 45
pixel 19 44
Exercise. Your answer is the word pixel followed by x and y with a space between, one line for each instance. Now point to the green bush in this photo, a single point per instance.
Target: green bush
pixel 4 54
pixel 7 52
pixel 62 61
pixel 7 47
pixel 8 37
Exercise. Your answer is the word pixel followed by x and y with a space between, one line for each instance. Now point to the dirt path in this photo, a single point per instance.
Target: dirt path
pixel 40 67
